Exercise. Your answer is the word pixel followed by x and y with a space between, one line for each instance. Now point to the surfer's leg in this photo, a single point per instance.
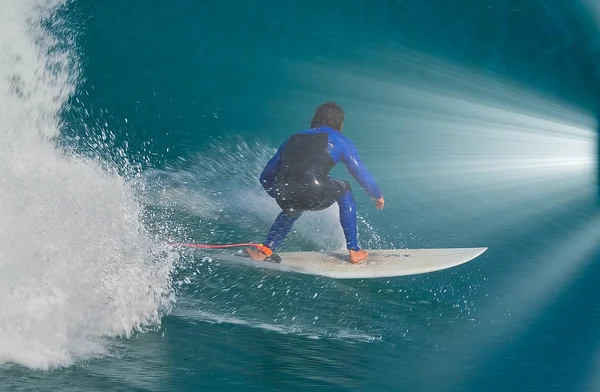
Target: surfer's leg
pixel 341 192
pixel 281 228
pixel 347 208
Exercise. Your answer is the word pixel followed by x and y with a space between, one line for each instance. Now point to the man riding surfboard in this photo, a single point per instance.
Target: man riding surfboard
pixel 297 177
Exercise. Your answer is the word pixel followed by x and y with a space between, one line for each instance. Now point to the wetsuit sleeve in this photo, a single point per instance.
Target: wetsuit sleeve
pixel 267 177
pixel 358 170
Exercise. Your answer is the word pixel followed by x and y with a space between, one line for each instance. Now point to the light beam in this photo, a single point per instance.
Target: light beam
pixel 454 142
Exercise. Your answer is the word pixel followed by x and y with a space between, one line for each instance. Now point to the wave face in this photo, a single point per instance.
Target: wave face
pixel 76 263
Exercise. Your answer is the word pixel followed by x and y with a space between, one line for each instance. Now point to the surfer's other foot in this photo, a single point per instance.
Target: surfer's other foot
pixel 255 254
pixel 356 256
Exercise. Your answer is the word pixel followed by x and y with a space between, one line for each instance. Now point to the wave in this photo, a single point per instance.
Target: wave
pixel 77 265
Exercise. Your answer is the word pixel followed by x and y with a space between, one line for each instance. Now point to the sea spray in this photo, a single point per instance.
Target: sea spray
pixel 77 266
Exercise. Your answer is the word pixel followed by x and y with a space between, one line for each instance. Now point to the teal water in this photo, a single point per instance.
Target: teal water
pixel 129 124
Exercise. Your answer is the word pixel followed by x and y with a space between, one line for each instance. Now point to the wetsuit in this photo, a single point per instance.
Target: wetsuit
pixel 298 178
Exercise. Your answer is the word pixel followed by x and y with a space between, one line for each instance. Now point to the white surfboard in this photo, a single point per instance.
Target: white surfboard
pixel 379 264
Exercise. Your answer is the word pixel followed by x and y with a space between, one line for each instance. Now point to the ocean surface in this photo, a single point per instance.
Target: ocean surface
pixel 126 125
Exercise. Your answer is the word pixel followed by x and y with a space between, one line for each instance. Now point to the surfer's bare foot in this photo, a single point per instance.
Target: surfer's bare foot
pixel 356 256
pixel 255 254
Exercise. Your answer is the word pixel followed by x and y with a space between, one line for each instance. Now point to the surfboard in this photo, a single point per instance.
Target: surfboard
pixel 380 263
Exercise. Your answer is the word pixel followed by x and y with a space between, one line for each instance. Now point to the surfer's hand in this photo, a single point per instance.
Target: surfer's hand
pixel 379 203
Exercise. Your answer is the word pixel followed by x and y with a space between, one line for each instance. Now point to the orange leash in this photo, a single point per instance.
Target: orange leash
pixel 263 248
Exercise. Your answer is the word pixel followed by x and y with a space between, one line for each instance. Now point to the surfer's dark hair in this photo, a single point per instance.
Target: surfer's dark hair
pixel 329 114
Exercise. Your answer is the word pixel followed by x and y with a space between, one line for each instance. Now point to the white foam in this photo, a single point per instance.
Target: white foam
pixel 76 265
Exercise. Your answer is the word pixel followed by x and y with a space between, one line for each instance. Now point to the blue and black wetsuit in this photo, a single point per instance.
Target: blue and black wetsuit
pixel 298 178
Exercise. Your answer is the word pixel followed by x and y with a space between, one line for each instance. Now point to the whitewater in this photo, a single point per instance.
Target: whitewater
pixel 77 266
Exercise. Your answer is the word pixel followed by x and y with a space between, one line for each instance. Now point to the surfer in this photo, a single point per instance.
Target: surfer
pixel 297 177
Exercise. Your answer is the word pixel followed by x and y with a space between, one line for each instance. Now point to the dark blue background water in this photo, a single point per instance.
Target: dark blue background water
pixel 207 90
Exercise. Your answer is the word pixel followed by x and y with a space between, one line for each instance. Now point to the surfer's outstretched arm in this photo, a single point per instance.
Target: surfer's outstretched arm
pixel 358 170
pixel 268 174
